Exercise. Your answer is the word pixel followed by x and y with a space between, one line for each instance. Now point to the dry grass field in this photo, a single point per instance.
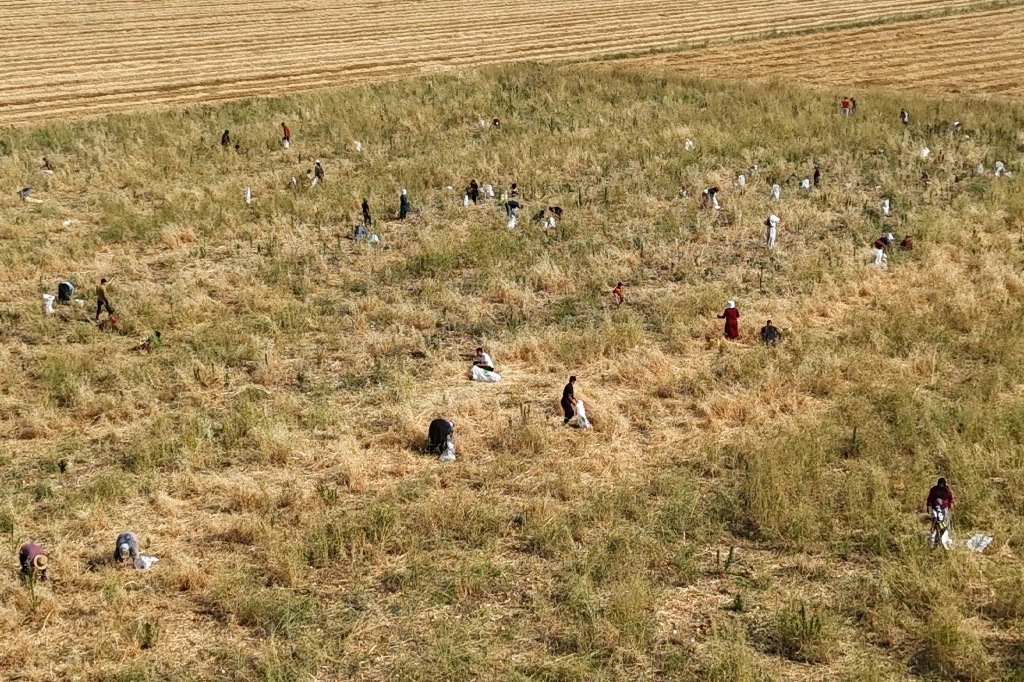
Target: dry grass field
pixel 738 513
pixel 978 53
pixel 85 58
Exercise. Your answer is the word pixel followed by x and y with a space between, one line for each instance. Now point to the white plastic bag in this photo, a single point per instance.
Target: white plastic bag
pixel 979 542
pixel 480 374
pixel 449 451
pixel 48 300
pixel 581 415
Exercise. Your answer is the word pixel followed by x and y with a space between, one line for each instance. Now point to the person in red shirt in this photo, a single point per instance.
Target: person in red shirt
pixel 939 506
pixel 286 135
pixel 617 294
pixel 731 317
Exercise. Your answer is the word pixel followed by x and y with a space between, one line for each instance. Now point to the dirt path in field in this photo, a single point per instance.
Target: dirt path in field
pixel 84 58
pixel 980 53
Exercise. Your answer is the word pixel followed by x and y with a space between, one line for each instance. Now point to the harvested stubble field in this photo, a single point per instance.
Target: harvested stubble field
pixel 80 58
pixel 977 53
pixel 740 513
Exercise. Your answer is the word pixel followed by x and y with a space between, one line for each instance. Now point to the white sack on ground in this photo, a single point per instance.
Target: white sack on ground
pixel 481 374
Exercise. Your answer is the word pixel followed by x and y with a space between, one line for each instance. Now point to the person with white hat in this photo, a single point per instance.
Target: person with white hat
pixel 32 558
pixel 403 205
pixel 731 315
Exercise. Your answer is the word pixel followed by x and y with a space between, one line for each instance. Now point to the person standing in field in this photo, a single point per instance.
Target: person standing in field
pixel 878 249
pixel 844 106
pixel 318 172
pixel 568 401
pixel 617 294
pixel 731 315
pixel 817 176
pixel 771 224
pixel 286 136
pixel 101 299
pixel 225 139
pixel 367 220
pixel 904 117
pixel 939 506
pixel 473 191
pixel 403 205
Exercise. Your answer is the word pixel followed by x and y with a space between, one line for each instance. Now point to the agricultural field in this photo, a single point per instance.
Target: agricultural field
pixel 978 53
pixel 79 58
pixel 737 513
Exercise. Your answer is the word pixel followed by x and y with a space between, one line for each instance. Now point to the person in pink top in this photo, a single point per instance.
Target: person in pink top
pixel 32 558
pixel 731 317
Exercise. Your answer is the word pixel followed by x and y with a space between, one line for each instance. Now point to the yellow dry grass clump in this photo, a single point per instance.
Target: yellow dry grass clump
pixel 738 512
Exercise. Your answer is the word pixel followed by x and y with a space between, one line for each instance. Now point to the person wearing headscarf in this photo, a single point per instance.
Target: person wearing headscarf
pixel 32 558
pixel 878 249
pixel 731 315
pixel 403 205
pixel 772 225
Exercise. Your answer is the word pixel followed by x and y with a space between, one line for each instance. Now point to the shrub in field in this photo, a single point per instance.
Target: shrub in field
pixel 803 635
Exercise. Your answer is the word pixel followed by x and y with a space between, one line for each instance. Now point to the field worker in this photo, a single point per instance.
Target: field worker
pixel 569 400
pixel 47 168
pixel 126 548
pixel 907 243
pixel 101 299
pixel 904 117
pixel 771 226
pixel 879 248
pixel 310 178
pixel 741 180
pixel 65 292
pixel 511 209
pixel 318 172
pixel 496 123
pixel 32 558
pixel 367 220
pixel 483 360
pixel 513 191
pixel 731 315
pixel 939 507
pixel 489 191
pixel 770 334
pixel 225 139
pixel 817 176
pixel 403 205
pixel 844 106
pixel 473 191
pixel 286 136
pixel 617 294
pixel 151 342
pixel 709 198
pixel 853 105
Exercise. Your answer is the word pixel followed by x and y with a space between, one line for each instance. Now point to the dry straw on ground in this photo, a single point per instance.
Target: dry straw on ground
pixel 269 451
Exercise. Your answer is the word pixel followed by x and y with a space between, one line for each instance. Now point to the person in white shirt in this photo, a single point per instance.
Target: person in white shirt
pixel 483 360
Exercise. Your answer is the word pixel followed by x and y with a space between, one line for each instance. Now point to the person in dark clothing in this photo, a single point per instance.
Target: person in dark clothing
pixel 817 176
pixel 101 299
pixel 770 334
pixel 32 558
pixel 496 123
pixel 367 220
pixel 318 172
pixel 403 205
pixel 473 191
pixel 438 435
pixel 569 400
pixel 126 548
pixel 513 191
pixel 904 117
pixel 225 139
pixel 65 292
pixel 940 495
